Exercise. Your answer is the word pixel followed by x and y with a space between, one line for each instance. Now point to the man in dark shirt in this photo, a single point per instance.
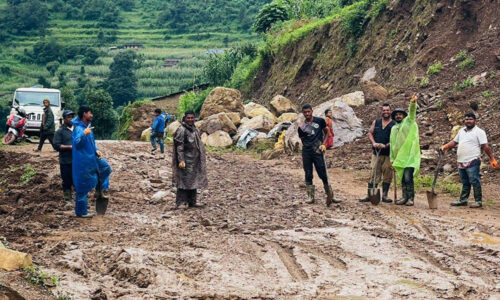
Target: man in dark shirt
pixel 63 144
pixel 313 133
pixel 380 135
pixel 48 126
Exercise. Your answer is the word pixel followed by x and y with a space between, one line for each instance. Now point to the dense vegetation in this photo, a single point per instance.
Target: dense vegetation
pixel 66 44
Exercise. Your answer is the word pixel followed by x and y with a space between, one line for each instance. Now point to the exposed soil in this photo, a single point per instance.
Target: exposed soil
pixel 256 238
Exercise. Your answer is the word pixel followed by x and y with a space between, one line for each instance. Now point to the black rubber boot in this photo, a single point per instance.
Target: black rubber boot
pixel 478 197
pixel 404 194
pixel 385 192
pixel 464 196
pixel 410 194
pixel 366 199
pixel 310 193
pixel 329 195
pixel 68 197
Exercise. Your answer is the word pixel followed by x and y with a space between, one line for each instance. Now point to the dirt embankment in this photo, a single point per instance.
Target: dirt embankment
pixel 401 44
pixel 255 238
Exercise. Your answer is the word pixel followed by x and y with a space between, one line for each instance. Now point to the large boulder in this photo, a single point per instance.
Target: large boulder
pixel 146 134
pixel 281 105
pixel 217 122
pixel 288 117
pixel 346 125
pixel 222 100
pixel 373 92
pixel 354 99
pixel 262 123
pixel 173 127
pixel 219 139
pixel 253 110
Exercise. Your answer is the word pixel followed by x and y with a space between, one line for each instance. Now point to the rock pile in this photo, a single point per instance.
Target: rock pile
pixel 224 118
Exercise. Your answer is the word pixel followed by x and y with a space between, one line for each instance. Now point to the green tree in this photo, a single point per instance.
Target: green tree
pixel 122 83
pixel 68 96
pixel 52 67
pixel 22 16
pixel 44 82
pixel 268 15
pixel 105 117
pixel 90 56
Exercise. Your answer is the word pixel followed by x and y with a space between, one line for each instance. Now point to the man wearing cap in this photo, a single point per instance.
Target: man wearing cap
pixel 48 126
pixel 188 162
pixel 470 140
pixel 405 150
pixel 63 143
pixel 379 135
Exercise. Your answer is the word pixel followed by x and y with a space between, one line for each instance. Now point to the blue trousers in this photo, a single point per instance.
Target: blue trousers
pixel 157 137
pixel 470 176
pixel 81 198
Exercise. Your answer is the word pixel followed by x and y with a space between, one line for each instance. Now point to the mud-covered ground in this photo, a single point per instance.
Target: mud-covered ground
pixel 254 239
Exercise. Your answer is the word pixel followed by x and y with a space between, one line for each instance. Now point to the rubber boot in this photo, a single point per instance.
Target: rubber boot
pixel 329 195
pixel 310 193
pixel 410 194
pixel 101 194
pixel 478 197
pixel 366 199
pixel 67 196
pixel 404 194
pixel 385 192
pixel 464 196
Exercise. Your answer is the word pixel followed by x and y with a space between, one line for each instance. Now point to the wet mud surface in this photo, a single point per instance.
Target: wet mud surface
pixel 255 238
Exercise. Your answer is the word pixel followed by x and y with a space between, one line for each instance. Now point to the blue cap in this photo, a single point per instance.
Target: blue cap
pixel 67 113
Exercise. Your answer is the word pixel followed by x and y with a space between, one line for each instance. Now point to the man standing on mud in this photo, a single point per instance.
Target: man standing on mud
pixel 470 140
pixel 380 135
pixel 90 170
pixel 48 126
pixel 329 128
pixel 63 144
pixel 313 133
pixel 405 150
pixel 157 131
pixel 188 162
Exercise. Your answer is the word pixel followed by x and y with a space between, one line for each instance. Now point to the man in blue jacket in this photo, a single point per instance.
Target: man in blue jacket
pixel 89 169
pixel 157 131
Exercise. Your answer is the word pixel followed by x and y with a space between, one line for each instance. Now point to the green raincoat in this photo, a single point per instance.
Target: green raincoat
pixel 405 145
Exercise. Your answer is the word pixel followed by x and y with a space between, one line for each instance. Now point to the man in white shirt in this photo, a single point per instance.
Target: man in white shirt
pixel 470 140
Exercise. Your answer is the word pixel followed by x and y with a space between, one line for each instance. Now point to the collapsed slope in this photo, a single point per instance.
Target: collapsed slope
pixel 402 44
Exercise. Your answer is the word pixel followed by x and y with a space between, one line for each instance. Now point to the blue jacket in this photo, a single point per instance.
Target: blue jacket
pixel 87 168
pixel 159 124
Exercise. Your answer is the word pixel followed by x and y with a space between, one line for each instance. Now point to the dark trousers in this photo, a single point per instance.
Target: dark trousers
pixel 67 176
pixel 310 158
pixel 407 183
pixel 185 196
pixel 45 136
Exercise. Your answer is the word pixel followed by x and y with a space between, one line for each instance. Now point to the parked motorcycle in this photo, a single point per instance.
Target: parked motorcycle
pixel 16 124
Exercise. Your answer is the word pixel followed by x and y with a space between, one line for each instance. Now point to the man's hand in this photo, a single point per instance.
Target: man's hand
pixel 494 164
pixel 99 153
pixel 444 148
pixel 182 165
pixel 413 98
pixel 88 130
pixel 378 146
pixel 322 148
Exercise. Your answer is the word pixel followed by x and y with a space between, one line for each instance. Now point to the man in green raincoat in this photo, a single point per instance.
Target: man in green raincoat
pixel 405 150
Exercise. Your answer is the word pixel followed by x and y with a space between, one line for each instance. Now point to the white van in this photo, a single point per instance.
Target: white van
pixel 31 99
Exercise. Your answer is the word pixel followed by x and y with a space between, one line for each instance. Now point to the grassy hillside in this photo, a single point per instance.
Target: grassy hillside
pixel 150 23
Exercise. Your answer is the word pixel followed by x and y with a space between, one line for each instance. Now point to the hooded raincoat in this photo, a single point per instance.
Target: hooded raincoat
pixel 405 144
pixel 87 167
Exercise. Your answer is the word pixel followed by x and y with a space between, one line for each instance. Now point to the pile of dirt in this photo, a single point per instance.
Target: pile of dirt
pixel 401 45
pixel 135 118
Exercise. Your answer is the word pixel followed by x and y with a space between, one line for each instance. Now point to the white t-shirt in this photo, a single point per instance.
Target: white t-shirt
pixel 469 144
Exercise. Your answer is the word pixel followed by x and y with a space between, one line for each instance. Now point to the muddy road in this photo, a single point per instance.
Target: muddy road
pixel 255 238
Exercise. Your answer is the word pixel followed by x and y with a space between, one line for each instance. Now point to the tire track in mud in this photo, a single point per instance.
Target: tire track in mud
pixel 290 261
pixel 334 261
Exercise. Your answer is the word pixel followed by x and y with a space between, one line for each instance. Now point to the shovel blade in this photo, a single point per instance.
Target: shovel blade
pixel 374 196
pixel 101 205
pixel 432 199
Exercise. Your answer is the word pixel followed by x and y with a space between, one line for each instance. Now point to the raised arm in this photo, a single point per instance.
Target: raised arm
pixel 412 110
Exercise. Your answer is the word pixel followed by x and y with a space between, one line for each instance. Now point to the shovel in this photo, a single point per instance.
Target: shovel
pixel 431 195
pixel 101 203
pixel 395 187
pixel 374 192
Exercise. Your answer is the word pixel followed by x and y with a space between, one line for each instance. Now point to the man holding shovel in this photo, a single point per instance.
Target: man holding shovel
pixel 313 133
pixel 379 135
pixel 470 140
pixel 90 170
pixel 405 150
